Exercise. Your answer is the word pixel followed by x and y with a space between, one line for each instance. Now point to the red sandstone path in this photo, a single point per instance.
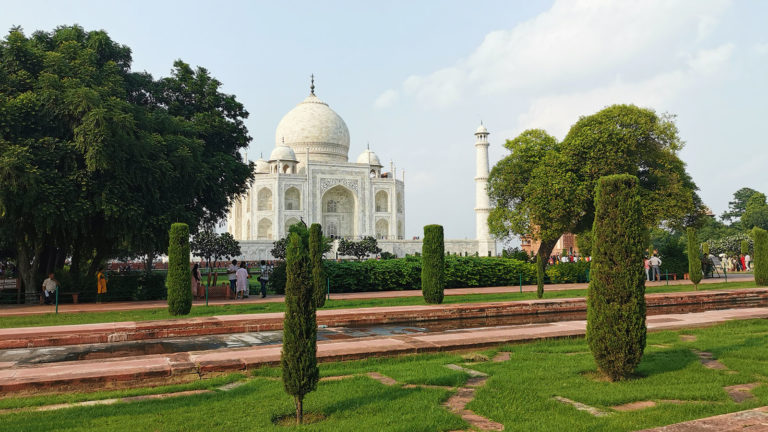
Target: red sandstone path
pixel 14 310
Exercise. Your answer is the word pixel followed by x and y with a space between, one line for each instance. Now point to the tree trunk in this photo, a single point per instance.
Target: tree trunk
pixel 299 409
pixel 74 268
pixel 28 267
pixel 209 271
pixel 545 250
pixel 148 263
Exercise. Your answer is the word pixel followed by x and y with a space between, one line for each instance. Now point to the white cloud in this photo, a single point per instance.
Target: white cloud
pixel 575 46
pixel 387 99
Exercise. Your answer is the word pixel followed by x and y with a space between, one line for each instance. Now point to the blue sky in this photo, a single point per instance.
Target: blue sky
pixel 415 78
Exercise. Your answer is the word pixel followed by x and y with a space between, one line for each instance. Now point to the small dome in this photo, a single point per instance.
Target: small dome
pixel 262 166
pixel 368 157
pixel 481 129
pixel 283 153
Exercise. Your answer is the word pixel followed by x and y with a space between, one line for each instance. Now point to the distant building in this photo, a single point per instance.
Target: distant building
pixel 567 243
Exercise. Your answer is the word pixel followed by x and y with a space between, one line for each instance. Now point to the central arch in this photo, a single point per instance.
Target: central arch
pixel 339 209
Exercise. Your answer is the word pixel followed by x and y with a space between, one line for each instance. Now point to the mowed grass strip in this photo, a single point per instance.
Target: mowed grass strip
pixel 252 308
pixel 519 392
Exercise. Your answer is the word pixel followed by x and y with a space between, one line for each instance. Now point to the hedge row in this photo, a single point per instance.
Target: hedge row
pixel 120 287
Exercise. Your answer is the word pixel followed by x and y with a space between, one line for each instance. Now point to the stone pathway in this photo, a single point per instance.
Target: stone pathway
pixel 709 361
pixel 458 402
pixel 581 407
pixel 501 356
pixel 741 392
pixel 755 420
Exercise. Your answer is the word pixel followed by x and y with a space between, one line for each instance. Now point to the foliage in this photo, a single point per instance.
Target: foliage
pixel 620 139
pixel 316 260
pixel 210 245
pixel 279 246
pixel 730 245
pixel 388 255
pixel 299 352
pixel 671 246
pixel 738 206
pixel 616 328
pixel 584 242
pixel 179 276
pixel 93 153
pixel 760 259
pixel 745 247
pixel 433 264
pixel 574 272
pixel 515 253
pixel 359 249
pixel 705 248
pixel 756 213
pixel 694 258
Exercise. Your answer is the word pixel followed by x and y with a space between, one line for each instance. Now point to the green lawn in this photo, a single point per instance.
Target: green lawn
pixel 156 314
pixel 519 393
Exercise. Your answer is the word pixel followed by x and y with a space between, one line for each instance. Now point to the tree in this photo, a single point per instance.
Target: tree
pixel 760 236
pixel 616 328
pixel 694 260
pixel 738 206
pixel 204 245
pixel 756 212
pixel 433 264
pixel 621 139
pixel 93 153
pixel 279 246
pixel 299 353
pixel 316 259
pixel 179 275
pixel 745 247
pixel 368 245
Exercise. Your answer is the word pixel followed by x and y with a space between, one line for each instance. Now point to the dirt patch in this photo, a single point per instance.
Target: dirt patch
pixel 290 419
pixel 635 406
pixel 471 372
pixel 382 379
pixel 501 356
pixel 688 338
pixel 337 377
pixel 475 358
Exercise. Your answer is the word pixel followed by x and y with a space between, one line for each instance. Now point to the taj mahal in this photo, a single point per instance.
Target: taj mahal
pixel 309 177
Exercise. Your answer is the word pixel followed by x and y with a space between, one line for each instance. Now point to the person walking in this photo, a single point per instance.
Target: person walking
pixel 266 269
pixel 647 267
pixel 101 284
pixel 241 280
pixel 232 273
pixel 196 279
pixel 655 263
pixel 49 287
pixel 747 262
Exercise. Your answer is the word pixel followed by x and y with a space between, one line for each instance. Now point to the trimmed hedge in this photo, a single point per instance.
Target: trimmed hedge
pixel 616 327
pixel 179 274
pixel 760 259
pixel 568 272
pixel 120 287
pixel 316 261
pixel 433 264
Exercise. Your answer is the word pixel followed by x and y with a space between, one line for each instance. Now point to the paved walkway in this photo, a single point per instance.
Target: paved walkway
pixel 754 420
pixel 13 310
pixel 188 366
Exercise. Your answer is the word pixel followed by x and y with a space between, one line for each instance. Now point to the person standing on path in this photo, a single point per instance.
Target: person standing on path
pixel 647 269
pixel 196 278
pixel 655 263
pixel 101 284
pixel 232 273
pixel 747 262
pixel 264 277
pixel 49 287
pixel 241 280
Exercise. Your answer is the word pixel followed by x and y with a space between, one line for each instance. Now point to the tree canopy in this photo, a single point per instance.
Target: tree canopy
pixel 545 189
pixel 756 212
pixel 738 206
pixel 95 157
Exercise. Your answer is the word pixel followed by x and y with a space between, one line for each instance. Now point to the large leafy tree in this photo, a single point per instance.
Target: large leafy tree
pixel 756 212
pixel 738 206
pixel 545 188
pixel 92 154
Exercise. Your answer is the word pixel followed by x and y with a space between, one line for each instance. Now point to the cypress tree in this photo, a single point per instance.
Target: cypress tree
pixel 705 248
pixel 694 260
pixel 616 300
pixel 433 264
pixel 316 258
pixel 539 277
pixel 179 273
pixel 760 238
pixel 299 354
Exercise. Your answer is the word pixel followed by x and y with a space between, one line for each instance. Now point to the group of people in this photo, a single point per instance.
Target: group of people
pixel 570 258
pixel 652 267
pixel 238 278
pixel 735 263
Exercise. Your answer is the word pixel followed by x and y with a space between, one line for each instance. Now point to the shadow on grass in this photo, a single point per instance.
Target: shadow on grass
pixel 383 395
pixel 665 361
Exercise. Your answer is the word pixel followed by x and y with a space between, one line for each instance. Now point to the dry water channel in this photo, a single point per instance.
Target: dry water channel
pixel 55 354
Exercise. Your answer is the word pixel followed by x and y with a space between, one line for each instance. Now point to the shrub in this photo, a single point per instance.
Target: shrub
pixel 179 274
pixel 433 264
pixel 760 237
pixel 705 248
pixel 316 260
pixel 299 353
pixel 694 259
pixel 616 301
pixel 571 272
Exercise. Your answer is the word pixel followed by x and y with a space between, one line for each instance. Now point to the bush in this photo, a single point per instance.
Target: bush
pixel 316 261
pixel 572 272
pixel 760 259
pixel 179 274
pixel 616 300
pixel 694 260
pixel 745 247
pixel 433 264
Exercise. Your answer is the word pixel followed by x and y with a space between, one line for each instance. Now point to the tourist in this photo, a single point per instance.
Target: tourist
pixel 743 262
pixel 232 273
pixel 241 280
pixel 747 262
pixel 655 263
pixel 49 287
pixel 647 269
pixel 101 284
pixel 266 269
pixel 196 278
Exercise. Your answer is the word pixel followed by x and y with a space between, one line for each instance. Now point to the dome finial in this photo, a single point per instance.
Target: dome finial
pixel 312 85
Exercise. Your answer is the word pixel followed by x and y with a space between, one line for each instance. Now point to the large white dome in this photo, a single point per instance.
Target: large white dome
pixel 313 124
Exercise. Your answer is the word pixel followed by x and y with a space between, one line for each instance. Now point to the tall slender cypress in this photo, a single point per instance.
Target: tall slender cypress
pixel 616 328
pixel 433 264
pixel 299 354
pixel 694 259
pixel 760 246
pixel 179 273
pixel 316 259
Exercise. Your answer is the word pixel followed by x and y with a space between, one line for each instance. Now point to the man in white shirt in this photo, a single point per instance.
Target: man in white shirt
pixel 655 263
pixel 747 262
pixel 49 287
pixel 232 273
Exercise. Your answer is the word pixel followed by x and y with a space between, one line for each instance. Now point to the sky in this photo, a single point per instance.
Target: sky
pixel 414 78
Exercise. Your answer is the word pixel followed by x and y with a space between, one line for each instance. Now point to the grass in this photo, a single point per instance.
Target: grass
pixel 518 392
pixel 51 319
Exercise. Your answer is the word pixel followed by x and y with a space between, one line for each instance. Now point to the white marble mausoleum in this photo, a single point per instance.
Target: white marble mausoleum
pixel 309 177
